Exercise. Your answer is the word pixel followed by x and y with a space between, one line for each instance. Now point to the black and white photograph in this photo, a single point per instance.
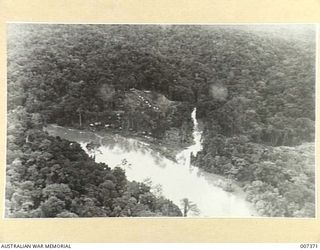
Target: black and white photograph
pixel 160 120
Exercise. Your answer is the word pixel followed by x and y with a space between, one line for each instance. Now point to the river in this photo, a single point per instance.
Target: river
pixel 179 180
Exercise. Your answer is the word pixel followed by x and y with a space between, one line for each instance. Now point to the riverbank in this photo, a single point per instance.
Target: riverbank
pixel 147 159
pixel 237 187
pixel 166 148
pixel 270 176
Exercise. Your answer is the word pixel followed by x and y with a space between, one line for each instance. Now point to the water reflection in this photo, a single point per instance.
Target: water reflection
pixel 179 180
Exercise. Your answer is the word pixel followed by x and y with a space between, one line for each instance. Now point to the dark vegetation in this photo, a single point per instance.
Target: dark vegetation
pixel 254 93
pixel 53 177
pixel 262 98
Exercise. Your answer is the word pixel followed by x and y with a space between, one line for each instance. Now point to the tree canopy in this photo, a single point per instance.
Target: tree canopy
pixel 254 91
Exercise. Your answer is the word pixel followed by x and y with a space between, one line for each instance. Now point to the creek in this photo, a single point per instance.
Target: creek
pixel 178 180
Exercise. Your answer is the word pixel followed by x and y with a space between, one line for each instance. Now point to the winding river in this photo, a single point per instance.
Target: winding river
pixel 178 180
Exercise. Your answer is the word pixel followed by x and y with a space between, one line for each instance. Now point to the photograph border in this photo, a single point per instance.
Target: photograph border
pixel 155 229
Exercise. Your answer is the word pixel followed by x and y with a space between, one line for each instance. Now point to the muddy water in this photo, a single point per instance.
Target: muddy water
pixel 179 179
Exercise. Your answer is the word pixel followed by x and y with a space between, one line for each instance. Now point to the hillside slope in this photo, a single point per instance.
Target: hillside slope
pixel 253 92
